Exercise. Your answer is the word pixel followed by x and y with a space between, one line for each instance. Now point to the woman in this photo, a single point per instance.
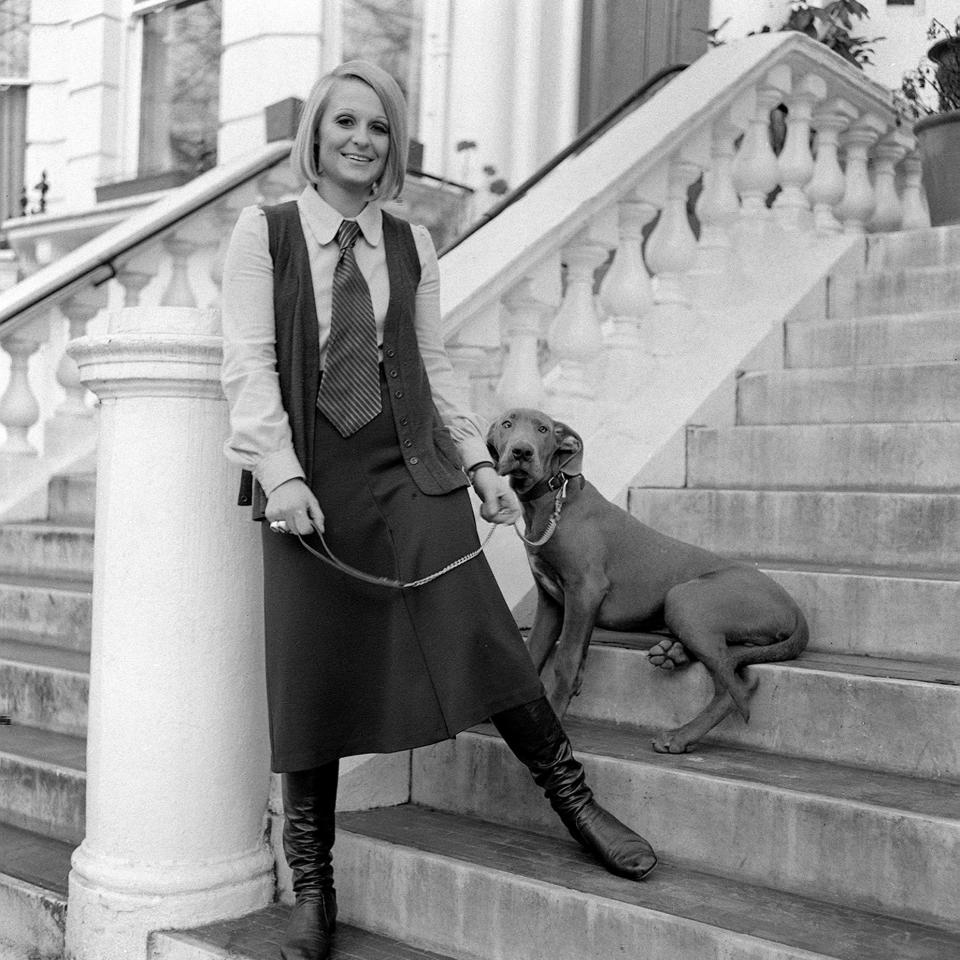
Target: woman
pixel 375 453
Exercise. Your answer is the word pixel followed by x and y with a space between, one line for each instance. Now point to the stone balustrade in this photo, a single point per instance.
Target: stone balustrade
pixel 772 142
pixel 49 416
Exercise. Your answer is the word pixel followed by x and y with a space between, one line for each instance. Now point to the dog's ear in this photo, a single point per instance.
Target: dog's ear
pixel 493 434
pixel 569 454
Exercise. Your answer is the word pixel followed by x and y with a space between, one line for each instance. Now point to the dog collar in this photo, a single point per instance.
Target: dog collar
pixel 550 485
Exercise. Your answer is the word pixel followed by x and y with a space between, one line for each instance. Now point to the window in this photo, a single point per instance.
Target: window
pixel 180 88
pixel 388 33
pixel 14 60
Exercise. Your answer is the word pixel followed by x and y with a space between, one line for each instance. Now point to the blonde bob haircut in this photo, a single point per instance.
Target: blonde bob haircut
pixel 304 158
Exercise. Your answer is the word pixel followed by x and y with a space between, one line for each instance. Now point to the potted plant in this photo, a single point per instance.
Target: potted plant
pixel 930 94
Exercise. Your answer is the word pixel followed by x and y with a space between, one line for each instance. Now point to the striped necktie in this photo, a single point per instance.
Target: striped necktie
pixel 350 387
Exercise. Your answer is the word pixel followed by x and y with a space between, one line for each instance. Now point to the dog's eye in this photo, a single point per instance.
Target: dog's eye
pixel 542 428
pixel 507 424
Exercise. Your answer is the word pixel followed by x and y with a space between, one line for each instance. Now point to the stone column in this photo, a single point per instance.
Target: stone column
pixel 177 767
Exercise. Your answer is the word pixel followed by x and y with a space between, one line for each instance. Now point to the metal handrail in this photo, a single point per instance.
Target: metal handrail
pixel 579 144
pixel 95 262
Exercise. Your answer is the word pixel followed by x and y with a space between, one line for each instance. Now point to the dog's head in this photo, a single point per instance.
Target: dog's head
pixel 528 445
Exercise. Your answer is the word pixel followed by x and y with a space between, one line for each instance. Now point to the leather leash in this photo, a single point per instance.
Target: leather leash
pixel 334 561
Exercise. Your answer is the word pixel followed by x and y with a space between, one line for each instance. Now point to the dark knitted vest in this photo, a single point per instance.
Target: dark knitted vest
pixel 428 452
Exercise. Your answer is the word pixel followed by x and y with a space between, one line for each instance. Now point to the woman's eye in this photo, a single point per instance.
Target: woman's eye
pixel 379 128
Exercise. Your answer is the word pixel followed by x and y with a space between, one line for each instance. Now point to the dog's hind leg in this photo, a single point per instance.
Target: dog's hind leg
pixel 682 739
pixel 696 618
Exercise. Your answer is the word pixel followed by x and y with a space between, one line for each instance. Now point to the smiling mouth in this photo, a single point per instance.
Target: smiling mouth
pixel 357 157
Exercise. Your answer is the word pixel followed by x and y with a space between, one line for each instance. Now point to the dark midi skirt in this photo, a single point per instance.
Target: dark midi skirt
pixel 355 668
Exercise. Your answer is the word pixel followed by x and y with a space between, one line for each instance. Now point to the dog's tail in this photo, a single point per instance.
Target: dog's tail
pixel 786 648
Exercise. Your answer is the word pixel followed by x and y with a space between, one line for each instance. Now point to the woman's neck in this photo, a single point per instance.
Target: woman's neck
pixel 346 203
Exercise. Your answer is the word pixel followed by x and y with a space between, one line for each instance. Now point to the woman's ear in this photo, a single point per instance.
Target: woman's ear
pixel 569 453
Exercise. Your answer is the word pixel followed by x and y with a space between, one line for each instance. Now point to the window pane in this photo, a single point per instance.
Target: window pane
pixel 180 88
pixel 388 33
pixel 14 37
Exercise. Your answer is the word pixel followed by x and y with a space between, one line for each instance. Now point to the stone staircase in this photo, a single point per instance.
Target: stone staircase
pixel 45 577
pixel 829 827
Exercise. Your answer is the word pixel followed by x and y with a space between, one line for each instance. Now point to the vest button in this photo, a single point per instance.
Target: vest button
pixel 398 394
pixel 404 421
pixel 394 374
pixel 414 460
pixel 408 443
pixel 391 353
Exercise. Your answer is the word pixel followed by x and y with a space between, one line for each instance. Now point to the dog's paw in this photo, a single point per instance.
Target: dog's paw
pixel 671 741
pixel 668 654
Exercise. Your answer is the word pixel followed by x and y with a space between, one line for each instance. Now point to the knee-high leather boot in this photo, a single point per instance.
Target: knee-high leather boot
pixel 309 801
pixel 533 732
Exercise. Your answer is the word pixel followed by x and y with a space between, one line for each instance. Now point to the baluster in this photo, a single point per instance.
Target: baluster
pixel 575 335
pixel 755 169
pixel 825 190
pixel 626 295
pixel 476 367
pixel 915 214
pixel 521 384
pixel 133 282
pixel 888 213
pixel 222 218
pixel 672 246
pixel 856 206
pixel 717 209
pixel 179 292
pixel 19 409
pixel 795 163
pixel 79 310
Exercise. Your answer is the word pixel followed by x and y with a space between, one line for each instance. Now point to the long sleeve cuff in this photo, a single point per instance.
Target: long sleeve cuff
pixel 276 468
pixel 472 450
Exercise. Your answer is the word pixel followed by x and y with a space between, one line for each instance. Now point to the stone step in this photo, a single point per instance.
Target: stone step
pixel 72 498
pixel 899 716
pixel 805 827
pixel 484 890
pixel 44 687
pixel 877 394
pixel 33 894
pixel 876 612
pixel 894 291
pixel 46 611
pixel 883 339
pixel 913 248
pixel 47 550
pixel 258 936
pixel 42 782
pixel 916 532
pixel 859 456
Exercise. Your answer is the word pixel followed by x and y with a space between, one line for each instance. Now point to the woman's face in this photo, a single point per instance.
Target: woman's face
pixel 354 142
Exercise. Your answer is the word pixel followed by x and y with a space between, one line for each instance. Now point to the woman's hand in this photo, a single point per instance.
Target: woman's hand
pixel 293 502
pixel 500 503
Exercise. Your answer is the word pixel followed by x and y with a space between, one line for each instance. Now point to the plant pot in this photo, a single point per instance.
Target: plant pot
pixel 939 139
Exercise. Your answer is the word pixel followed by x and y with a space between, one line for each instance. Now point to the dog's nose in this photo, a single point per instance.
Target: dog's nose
pixel 521 451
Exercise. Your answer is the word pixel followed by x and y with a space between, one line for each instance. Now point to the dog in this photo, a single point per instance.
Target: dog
pixel 597 566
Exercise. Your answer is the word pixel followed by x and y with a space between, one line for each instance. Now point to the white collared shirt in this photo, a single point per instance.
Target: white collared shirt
pixel 260 438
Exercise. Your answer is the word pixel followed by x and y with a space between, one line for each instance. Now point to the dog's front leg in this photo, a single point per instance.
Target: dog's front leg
pixel 564 675
pixel 546 628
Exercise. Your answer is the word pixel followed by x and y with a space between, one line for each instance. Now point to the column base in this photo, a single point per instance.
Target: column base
pixel 114 905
